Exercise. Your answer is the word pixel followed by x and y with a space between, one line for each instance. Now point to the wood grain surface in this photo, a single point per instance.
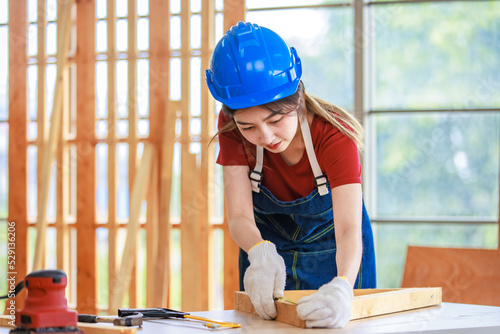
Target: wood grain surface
pixel 366 302
pixel 470 276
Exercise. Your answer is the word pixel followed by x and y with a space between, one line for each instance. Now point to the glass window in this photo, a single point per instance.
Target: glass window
pixel 324 45
pixel 437 164
pixel 4 12
pixel 251 4
pixel 437 55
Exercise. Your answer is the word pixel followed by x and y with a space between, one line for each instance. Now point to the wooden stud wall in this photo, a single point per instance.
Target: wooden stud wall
pixel 76 140
pixel 76 136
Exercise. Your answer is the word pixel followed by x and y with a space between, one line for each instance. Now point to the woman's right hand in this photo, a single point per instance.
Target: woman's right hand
pixel 265 278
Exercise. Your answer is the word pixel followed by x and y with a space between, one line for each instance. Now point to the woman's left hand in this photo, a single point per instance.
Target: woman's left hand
pixel 329 307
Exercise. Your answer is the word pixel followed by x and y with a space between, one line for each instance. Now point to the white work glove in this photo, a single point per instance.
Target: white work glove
pixel 265 278
pixel 329 307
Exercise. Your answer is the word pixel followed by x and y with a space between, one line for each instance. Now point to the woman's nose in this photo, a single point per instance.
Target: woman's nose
pixel 266 135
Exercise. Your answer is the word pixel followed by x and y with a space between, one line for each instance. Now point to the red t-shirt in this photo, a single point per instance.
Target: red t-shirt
pixel 337 156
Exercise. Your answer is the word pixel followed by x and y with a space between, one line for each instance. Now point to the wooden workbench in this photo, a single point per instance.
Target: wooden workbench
pixel 445 319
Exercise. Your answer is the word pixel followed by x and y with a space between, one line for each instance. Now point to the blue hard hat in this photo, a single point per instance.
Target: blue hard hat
pixel 251 66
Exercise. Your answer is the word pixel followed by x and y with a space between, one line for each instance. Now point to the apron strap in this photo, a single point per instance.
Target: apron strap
pixel 256 174
pixel 320 180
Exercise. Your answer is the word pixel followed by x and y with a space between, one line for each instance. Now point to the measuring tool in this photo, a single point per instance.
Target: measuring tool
pixel 166 313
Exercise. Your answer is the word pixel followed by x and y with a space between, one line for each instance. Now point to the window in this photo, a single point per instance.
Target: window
pixel 431 110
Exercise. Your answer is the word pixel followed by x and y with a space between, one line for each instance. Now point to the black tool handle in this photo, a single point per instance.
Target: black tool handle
pixel 151 312
pixel 87 318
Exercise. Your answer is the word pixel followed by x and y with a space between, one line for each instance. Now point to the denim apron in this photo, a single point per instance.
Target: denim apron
pixel 303 230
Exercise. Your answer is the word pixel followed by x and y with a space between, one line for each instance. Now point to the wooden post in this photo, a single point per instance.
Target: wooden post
pixel 50 147
pixel 112 141
pixel 41 115
pixel 134 289
pixel 234 11
pixel 139 189
pixel 162 135
pixel 207 153
pixel 17 140
pixel 190 228
pixel 85 158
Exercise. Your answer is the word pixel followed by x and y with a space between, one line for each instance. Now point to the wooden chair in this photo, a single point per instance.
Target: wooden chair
pixel 469 276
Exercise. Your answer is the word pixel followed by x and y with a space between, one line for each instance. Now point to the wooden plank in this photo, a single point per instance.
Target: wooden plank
pixel 139 190
pixel 17 156
pixel 112 141
pixel 63 192
pixel 234 11
pixel 162 136
pixel 104 329
pixel 152 236
pixel 85 158
pixel 192 251
pixel 6 321
pixel 50 146
pixel 134 289
pixel 192 289
pixel 207 119
pixel 231 269
pixel 398 300
pixel 469 276
pixel 41 112
pixel 366 303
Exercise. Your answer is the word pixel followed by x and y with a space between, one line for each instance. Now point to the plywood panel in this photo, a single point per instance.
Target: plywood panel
pixel 469 276
pixel 366 303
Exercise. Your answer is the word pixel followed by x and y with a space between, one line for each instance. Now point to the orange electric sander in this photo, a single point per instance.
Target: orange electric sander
pixel 46 308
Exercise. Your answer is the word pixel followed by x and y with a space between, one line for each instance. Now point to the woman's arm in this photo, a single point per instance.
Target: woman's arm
pixel 331 306
pixel 238 194
pixel 264 279
pixel 347 213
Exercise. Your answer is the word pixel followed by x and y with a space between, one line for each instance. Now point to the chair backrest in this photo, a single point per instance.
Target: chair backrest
pixel 469 276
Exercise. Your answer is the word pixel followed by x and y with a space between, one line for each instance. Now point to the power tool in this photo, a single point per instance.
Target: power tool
pixel 46 308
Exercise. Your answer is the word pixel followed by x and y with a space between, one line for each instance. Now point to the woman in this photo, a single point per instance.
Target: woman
pixel 292 180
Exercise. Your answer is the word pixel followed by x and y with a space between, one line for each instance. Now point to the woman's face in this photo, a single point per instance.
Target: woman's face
pixel 264 128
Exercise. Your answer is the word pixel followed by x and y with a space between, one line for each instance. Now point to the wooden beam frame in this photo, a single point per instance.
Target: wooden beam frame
pixel 50 146
pixel 123 276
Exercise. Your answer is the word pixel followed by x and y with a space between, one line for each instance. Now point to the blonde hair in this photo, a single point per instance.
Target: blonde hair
pixel 341 119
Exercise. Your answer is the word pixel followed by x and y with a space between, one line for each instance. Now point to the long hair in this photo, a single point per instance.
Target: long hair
pixel 341 119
